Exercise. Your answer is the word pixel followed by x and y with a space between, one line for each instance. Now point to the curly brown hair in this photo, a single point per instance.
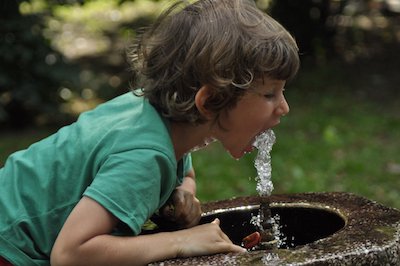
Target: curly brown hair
pixel 224 44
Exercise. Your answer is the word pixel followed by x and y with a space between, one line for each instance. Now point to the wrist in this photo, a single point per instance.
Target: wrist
pixel 177 243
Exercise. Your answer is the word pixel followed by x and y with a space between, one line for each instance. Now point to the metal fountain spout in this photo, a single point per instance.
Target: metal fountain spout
pixel 267 233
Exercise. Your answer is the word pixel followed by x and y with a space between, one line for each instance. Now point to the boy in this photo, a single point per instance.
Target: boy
pixel 212 70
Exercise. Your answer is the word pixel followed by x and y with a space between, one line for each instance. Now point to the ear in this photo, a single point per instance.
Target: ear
pixel 200 99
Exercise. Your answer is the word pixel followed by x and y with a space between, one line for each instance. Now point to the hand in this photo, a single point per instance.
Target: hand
pixel 205 239
pixel 182 208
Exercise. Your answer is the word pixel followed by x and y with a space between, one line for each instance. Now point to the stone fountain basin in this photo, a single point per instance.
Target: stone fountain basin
pixel 321 229
pixel 300 223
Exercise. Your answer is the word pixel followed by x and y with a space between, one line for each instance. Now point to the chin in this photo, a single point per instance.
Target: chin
pixel 236 156
pixel 236 153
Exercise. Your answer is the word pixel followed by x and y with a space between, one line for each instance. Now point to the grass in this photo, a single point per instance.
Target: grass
pixel 330 141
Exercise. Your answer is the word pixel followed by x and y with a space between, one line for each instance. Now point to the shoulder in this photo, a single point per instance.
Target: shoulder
pixel 126 123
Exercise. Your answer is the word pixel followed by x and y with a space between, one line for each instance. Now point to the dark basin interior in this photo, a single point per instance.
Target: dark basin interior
pixel 298 225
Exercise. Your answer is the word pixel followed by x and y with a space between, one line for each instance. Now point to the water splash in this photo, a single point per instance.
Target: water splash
pixel 262 163
pixel 205 143
pixel 264 143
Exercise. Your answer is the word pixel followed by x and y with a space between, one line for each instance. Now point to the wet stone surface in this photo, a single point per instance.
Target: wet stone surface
pixel 370 236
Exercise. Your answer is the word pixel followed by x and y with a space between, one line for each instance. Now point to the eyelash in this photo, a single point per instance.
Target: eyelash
pixel 269 96
pixel 272 95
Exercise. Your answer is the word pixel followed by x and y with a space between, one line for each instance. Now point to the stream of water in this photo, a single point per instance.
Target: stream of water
pixel 265 221
pixel 264 143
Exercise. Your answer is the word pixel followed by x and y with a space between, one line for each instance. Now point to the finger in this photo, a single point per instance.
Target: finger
pixel 193 220
pixel 226 247
pixel 185 213
pixel 168 211
pixel 179 203
pixel 195 213
pixel 197 218
pixel 216 221
pixel 183 202
pixel 238 249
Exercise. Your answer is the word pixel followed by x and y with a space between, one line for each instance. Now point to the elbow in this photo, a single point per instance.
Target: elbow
pixel 57 260
pixel 59 257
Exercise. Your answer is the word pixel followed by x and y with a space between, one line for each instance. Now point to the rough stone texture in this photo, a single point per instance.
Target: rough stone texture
pixel 370 236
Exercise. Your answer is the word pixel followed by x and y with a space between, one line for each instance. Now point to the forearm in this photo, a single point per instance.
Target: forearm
pixel 117 250
pixel 84 240
pixel 200 240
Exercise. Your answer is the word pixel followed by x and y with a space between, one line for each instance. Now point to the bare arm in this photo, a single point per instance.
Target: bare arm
pixel 85 240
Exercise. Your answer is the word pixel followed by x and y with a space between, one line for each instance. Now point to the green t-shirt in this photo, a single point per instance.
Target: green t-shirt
pixel 119 154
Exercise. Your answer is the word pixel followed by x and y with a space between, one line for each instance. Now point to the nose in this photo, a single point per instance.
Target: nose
pixel 283 107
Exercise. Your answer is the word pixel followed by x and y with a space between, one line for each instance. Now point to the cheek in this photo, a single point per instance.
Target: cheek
pixel 250 122
pixel 260 111
pixel 249 114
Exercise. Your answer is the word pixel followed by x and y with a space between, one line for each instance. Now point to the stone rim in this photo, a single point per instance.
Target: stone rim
pixel 370 237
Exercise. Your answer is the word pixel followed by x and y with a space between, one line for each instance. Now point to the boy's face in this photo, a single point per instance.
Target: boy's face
pixel 258 110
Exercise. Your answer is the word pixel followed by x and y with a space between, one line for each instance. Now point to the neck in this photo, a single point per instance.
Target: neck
pixel 185 137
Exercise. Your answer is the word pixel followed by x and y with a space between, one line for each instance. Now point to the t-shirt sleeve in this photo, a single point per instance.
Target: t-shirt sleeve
pixel 129 185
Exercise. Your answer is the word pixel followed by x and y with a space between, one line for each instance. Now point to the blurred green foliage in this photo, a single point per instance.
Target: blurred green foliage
pixel 31 72
pixel 59 58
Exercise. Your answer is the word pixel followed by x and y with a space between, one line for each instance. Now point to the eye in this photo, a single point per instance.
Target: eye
pixel 269 95
pixel 272 95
